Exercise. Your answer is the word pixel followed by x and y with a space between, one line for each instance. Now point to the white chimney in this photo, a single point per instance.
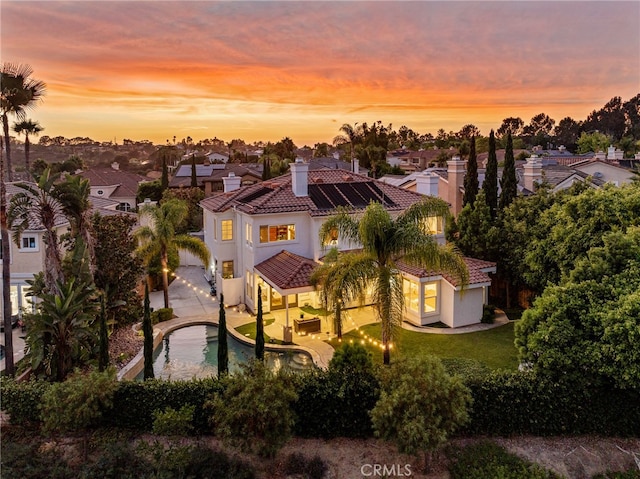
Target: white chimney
pixel 611 153
pixel 355 166
pixel 299 180
pixel 427 183
pixel 231 182
pixel 532 172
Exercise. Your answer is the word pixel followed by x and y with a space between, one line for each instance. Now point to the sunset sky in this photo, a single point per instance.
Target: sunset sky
pixel 266 70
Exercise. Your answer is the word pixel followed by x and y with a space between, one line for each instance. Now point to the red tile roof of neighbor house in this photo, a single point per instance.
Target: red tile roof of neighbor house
pixel 327 190
pixel 478 270
pixel 287 270
pixel 126 181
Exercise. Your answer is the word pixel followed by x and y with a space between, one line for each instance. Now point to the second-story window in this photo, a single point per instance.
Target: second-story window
pixel 249 234
pixel 270 234
pixel 226 227
pixel 433 225
pixel 28 243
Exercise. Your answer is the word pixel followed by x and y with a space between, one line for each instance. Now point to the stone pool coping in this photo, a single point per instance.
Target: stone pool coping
pixel 160 330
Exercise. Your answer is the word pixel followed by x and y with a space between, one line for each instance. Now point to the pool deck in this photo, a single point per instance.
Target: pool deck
pixel 192 304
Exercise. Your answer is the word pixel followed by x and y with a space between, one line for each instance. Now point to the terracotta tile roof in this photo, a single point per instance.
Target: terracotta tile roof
pixel 328 188
pixel 287 270
pixel 127 182
pixel 205 173
pixel 478 270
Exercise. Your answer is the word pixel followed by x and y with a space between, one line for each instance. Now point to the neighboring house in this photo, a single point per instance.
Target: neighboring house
pixel 448 183
pixel 115 184
pixel 217 157
pixel 210 177
pixel 267 235
pixel 28 257
pixel 336 164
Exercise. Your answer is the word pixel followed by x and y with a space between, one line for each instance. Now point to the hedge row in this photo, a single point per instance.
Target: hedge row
pixel 521 403
pixel 332 404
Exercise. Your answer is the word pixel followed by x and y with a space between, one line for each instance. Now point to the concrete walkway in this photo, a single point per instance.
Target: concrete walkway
pixel 192 304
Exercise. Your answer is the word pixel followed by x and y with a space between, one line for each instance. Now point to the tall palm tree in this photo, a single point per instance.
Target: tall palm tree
pixel 384 242
pixel 159 241
pixel 6 273
pixel 19 93
pixel 37 206
pixel 26 128
pixel 73 196
pixel 352 135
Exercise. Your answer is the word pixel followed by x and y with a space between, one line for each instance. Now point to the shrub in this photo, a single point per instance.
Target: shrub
pixel 135 401
pixel 205 463
pixel 419 406
pixel 173 423
pixel 336 402
pixel 507 403
pixel 118 461
pixel 487 459
pixel 79 402
pixel 160 315
pixel 22 400
pixel 254 411
pixel 297 463
pixel 27 462
pixel 488 314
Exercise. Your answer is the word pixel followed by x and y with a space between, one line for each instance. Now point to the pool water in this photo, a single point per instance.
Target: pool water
pixel 192 352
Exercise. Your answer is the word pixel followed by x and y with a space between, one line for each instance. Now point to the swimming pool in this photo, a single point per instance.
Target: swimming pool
pixel 192 352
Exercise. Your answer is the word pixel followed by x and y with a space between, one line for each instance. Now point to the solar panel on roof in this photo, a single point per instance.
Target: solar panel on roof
pixel 334 195
pixel 319 199
pixel 256 194
pixel 353 195
pixel 201 170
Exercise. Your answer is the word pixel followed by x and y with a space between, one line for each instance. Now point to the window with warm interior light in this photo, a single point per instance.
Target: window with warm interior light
pixel 430 297
pixel 411 297
pixel 249 284
pixel 333 237
pixel 271 234
pixel 226 230
pixel 434 225
pixel 227 269
pixel 249 234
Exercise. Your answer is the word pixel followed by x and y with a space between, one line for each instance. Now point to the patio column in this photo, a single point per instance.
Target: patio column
pixel 287 335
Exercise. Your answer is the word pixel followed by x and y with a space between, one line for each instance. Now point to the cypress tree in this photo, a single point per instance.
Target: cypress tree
pixel 490 184
pixel 147 330
pixel 509 181
pixel 223 349
pixel 194 177
pixel 266 168
pixel 164 182
pixel 103 355
pixel 259 328
pixel 471 176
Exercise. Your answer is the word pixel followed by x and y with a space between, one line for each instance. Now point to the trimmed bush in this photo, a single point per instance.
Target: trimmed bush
pixel 135 401
pixel 507 403
pixel 298 464
pixel 22 400
pixel 160 315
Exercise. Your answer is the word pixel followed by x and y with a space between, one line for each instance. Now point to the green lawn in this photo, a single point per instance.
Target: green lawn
pixel 249 330
pixel 494 348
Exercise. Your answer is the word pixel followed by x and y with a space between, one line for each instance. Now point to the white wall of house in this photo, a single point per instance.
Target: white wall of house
pixel 465 307
pixel 609 173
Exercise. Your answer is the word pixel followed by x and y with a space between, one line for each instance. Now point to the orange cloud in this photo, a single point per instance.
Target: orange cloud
pixel 265 70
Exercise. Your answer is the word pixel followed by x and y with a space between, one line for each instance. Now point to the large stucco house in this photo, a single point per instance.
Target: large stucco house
pixel 27 258
pixel 267 234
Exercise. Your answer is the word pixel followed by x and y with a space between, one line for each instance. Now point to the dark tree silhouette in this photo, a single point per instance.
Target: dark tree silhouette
pixel 259 328
pixel 471 177
pixel 223 349
pixel 509 181
pixel 490 184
